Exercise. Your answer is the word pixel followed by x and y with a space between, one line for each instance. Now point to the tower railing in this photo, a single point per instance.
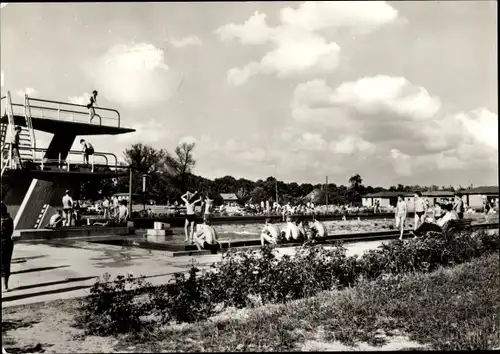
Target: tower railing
pixel 70 112
pixel 75 158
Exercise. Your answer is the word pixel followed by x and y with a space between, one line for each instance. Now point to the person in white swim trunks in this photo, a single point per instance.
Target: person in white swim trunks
pixel 190 214
pixel 420 210
pixel 318 229
pixel 270 233
pixel 400 214
pixel 291 233
pixel 206 238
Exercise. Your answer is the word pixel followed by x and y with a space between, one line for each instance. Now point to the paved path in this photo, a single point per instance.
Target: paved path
pixel 47 272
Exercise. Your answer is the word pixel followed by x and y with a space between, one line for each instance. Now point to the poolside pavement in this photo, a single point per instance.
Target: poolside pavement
pixel 46 272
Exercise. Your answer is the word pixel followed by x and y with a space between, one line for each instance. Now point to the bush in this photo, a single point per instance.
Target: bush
pixel 113 306
pixel 248 277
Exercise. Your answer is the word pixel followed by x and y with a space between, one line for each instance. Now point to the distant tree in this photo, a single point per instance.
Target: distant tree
pixel 355 191
pixel 258 195
pixel 146 160
pixel 181 163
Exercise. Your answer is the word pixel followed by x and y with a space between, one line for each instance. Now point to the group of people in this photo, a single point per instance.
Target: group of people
pixel 69 213
pixel 295 230
pixel 441 214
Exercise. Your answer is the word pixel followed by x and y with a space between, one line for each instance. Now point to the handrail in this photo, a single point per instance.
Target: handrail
pixel 75 152
pixel 78 105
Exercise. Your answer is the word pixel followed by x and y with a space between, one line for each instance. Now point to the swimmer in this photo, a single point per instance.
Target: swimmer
pixel 318 229
pixel 400 214
pixel 206 238
pixel 208 206
pixel 269 233
pixel 420 210
pixel 292 231
pixel 190 215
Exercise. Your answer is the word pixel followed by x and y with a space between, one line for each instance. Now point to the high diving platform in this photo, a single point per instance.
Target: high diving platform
pixel 33 184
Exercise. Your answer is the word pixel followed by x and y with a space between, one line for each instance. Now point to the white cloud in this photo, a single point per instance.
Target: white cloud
pixel 82 100
pixel 188 140
pixel 402 123
pixel 31 92
pixel 401 163
pixel 482 125
pixel 298 44
pixel 150 131
pixel 312 142
pixel 352 144
pixel 191 40
pixel 320 15
pixel 371 95
pixel 134 75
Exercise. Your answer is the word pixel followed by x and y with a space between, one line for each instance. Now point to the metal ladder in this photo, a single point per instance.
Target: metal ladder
pixel 29 128
pixel 27 139
pixel 6 149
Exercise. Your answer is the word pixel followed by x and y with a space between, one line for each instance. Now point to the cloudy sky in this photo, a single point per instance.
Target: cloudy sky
pixel 402 92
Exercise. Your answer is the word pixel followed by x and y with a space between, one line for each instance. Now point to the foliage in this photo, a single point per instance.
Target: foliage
pixel 248 276
pixel 113 307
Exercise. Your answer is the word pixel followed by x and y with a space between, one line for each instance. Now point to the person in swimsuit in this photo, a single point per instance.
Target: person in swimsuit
pixel 400 214
pixel 67 202
pixel 458 206
pixel 88 150
pixel 16 156
pixel 270 233
pixel 208 207
pixel 318 229
pixel 190 215
pixel 206 238
pixel 291 232
pixel 91 104
pixel 420 210
pixel 7 229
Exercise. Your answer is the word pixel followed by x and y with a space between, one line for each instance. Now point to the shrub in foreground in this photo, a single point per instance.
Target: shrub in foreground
pixel 243 276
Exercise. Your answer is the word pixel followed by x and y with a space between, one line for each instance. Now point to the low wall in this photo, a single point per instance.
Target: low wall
pixel 45 234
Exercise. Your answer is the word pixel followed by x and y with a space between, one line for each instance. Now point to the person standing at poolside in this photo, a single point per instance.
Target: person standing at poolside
pixel 106 208
pixel 400 214
pixel 7 229
pixel 208 206
pixel 92 103
pixel 420 210
pixel 458 206
pixel 67 202
pixel 190 215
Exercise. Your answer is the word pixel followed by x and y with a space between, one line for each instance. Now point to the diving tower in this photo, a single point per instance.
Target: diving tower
pixel 33 192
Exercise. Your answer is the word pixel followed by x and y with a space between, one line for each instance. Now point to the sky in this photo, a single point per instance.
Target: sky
pixel 399 92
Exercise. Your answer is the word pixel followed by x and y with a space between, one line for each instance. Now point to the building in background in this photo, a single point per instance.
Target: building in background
pixel 229 199
pixel 474 197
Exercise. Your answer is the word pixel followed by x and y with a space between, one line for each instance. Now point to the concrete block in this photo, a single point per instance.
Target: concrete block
pixel 156 232
pixel 159 238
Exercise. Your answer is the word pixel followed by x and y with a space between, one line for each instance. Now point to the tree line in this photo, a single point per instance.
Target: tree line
pixel 169 175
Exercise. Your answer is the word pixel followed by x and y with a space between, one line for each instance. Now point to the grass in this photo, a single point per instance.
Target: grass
pixel 450 309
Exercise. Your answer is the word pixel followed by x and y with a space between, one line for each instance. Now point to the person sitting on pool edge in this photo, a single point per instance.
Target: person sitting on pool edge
pixel 206 238
pixel 56 220
pixel 270 233
pixel 291 233
pixel 318 230
pixel 438 224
